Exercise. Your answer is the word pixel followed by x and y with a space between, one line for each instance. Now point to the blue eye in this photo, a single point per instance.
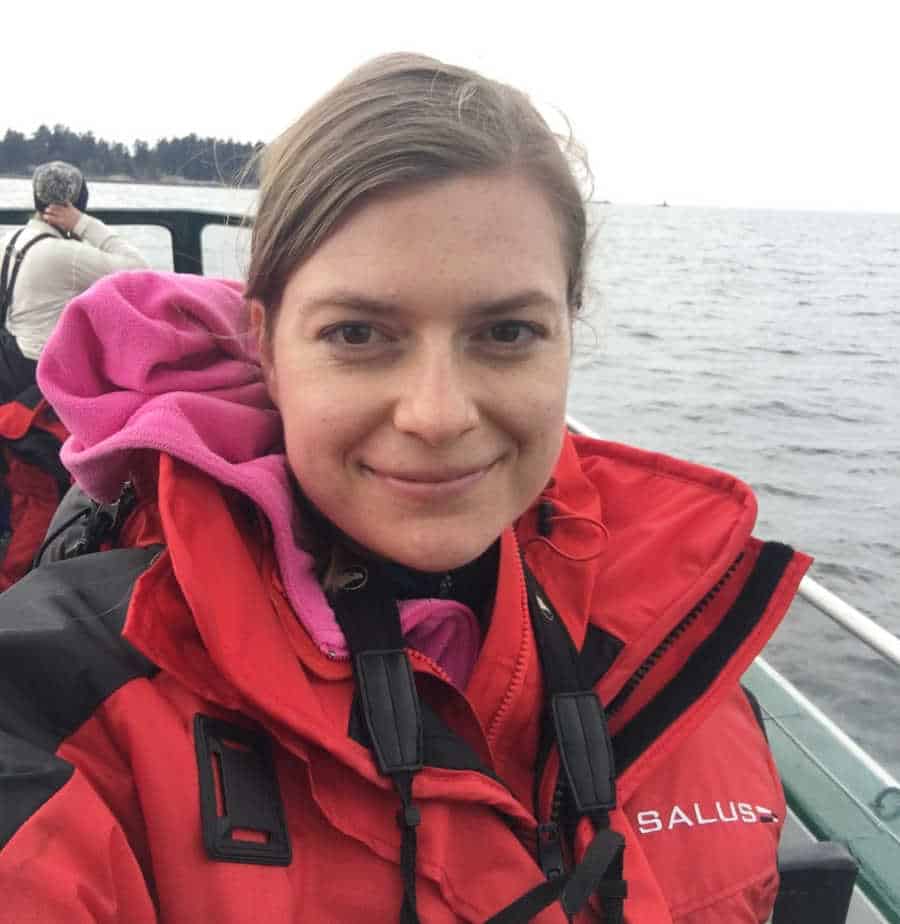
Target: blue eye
pixel 512 332
pixel 507 332
pixel 350 334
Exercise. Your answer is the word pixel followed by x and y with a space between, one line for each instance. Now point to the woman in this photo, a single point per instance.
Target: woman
pixel 350 656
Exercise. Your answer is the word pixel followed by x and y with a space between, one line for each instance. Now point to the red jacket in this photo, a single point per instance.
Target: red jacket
pixel 99 757
pixel 33 479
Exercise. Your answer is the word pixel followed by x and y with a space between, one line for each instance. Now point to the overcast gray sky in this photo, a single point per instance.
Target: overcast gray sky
pixel 790 104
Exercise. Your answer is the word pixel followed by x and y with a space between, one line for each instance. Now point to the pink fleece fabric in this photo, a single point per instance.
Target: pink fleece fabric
pixel 165 362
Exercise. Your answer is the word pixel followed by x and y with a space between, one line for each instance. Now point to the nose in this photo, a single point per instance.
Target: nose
pixel 437 401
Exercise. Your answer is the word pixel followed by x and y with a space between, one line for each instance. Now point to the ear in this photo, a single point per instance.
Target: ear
pixel 261 334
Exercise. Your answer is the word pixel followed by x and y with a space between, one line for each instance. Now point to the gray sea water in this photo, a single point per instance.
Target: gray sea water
pixel 766 343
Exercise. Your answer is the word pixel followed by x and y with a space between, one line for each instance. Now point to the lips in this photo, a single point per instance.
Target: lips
pixel 431 483
pixel 433 476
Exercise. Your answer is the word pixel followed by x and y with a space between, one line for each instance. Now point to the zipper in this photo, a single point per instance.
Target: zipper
pixel 550 833
pixel 412 653
pixel 549 836
pixel 638 676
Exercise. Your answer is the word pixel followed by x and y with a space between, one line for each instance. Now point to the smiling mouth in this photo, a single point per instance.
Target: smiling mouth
pixel 428 484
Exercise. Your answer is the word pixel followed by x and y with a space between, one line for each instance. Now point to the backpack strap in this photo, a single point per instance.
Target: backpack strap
pixel 8 277
pixel 370 620
pixel 575 720
pixel 7 256
pixel 82 525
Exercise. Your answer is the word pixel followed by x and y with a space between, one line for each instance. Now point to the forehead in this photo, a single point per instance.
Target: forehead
pixel 475 236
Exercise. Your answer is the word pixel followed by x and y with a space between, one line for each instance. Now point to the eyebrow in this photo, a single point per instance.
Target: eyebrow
pixel 357 301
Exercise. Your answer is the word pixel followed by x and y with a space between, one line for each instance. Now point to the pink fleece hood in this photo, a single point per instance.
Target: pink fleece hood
pixel 165 362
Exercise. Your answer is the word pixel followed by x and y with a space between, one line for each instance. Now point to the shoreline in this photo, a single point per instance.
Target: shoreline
pixel 163 181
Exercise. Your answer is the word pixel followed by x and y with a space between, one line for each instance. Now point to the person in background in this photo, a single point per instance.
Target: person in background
pixel 379 639
pixel 60 253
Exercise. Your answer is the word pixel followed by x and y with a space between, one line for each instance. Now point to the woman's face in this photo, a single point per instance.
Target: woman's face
pixel 420 362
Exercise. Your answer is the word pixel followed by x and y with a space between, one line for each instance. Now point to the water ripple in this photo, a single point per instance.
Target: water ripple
pixel 781 491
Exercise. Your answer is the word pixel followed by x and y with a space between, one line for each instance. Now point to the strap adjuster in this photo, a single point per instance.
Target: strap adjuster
pixel 409 816
pixel 239 795
pixel 390 704
pixel 586 750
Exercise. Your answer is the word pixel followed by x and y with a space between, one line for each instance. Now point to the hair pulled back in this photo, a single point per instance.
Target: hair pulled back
pixel 397 120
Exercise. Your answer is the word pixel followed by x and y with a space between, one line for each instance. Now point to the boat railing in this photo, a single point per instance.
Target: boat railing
pixel 863 627
pixel 184 225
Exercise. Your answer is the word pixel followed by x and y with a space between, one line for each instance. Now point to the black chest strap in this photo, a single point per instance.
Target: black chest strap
pixel 370 621
pixel 8 277
pixel 575 720
pixel 575 714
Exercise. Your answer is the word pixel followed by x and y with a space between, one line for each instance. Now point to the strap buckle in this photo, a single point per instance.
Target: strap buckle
pixel 240 805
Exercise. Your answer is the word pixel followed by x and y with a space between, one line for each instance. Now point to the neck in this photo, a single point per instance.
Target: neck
pixel 334 551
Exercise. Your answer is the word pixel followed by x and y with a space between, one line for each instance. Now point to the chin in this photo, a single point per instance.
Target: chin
pixel 440 557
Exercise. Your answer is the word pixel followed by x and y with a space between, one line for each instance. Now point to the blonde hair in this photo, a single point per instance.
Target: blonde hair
pixel 397 120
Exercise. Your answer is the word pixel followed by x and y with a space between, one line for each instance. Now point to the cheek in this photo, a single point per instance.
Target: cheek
pixel 548 417
pixel 321 434
pixel 546 438
pixel 302 392
pixel 313 458
pixel 538 427
pixel 310 433
pixel 546 397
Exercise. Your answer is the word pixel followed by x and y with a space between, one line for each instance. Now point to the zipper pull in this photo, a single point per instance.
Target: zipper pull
pixel 549 848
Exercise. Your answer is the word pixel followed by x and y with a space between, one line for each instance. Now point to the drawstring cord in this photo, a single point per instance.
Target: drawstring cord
pixel 547 519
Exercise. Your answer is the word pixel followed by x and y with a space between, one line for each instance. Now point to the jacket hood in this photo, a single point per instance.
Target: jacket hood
pixel 165 362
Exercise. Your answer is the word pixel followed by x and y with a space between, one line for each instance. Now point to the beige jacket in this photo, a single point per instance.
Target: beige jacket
pixel 55 271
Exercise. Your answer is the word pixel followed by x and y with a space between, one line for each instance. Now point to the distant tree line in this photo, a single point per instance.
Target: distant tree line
pixel 189 158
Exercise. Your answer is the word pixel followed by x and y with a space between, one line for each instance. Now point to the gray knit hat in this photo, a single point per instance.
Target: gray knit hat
pixel 58 182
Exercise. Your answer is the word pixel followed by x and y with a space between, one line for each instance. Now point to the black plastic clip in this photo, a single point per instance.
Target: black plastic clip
pixel 241 811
